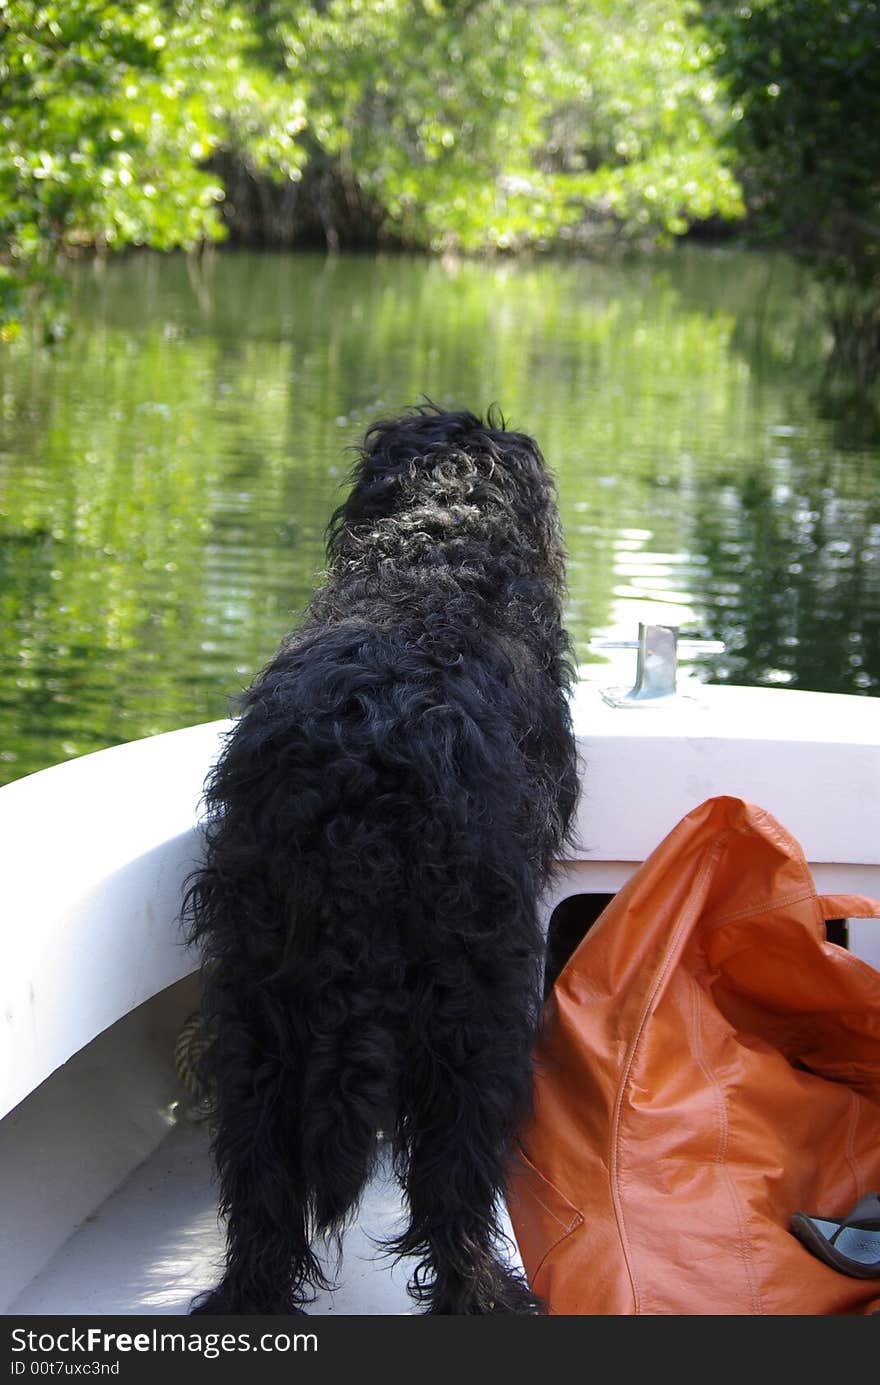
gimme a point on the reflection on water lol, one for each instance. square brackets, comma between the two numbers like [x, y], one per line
[166, 473]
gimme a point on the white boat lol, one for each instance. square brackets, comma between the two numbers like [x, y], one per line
[108, 1203]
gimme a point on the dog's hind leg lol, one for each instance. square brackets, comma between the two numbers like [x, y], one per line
[469, 1085]
[304, 1079]
[270, 1267]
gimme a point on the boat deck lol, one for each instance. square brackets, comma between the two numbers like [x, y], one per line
[109, 1203]
[156, 1242]
[112, 1206]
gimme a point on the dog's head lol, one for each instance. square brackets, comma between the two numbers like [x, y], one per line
[446, 477]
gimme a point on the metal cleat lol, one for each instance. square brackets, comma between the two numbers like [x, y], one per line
[658, 649]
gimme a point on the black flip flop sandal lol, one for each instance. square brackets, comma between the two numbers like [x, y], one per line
[850, 1245]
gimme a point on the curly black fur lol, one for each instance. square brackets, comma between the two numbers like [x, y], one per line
[382, 820]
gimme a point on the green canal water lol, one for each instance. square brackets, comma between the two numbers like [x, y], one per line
[167, 469]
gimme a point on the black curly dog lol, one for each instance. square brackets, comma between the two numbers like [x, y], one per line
[380, 826]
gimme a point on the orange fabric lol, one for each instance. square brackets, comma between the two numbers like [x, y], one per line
[709, 1065]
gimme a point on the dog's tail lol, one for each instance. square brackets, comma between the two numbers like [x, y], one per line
[351, 990]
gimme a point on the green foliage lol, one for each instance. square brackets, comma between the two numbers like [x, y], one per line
[498, 124]
[804, 76]
[96, 122]
[805, 79]
[465, 124]
[636, 105]
[108, 113]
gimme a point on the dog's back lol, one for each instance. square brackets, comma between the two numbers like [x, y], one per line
[382, 821]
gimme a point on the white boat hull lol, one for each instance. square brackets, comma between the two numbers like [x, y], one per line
[108, 1202]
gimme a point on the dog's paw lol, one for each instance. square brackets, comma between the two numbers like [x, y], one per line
[227, 1302]
[510, 1293]
[505, 1292]
[517, 1299]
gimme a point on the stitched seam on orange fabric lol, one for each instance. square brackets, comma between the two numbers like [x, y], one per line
[578, 1219]
[575, 1218]
[790, 845]
[527, 1167]
[746, 1248]
[530, 1172]
[841, 901]
[764, 906]
[851, 1157]
[712, 855]
[792, 848]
